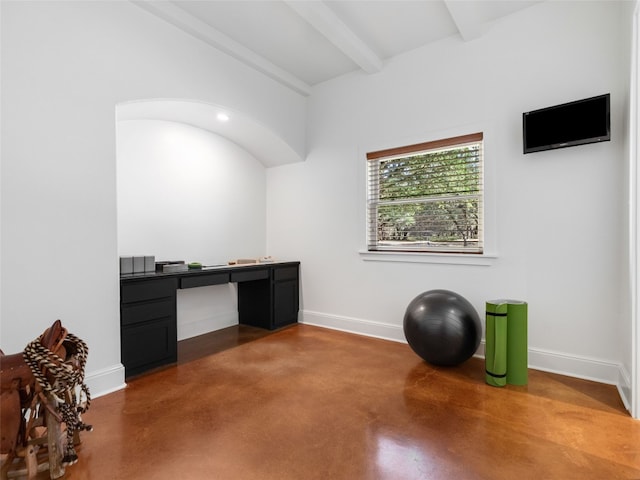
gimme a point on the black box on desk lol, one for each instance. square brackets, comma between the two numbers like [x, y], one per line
[171, 266]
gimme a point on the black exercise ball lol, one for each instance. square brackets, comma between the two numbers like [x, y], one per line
[442, 327]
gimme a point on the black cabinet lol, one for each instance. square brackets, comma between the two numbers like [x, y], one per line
[270, 302]
[285, 295]
[148, 330]
[267, 298]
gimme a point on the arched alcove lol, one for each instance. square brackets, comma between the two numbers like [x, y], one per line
[257, 139]
[192, 187]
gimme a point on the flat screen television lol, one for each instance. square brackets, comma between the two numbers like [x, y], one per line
[567, 125]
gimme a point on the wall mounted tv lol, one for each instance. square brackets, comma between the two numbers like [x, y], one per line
[567, 125]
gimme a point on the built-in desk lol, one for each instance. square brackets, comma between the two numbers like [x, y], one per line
[267, 298]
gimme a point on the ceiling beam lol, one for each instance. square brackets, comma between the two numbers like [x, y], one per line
[202, 31]
[325, 21]
[465, 15]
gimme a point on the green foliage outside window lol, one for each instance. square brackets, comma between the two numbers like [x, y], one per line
[429, 201]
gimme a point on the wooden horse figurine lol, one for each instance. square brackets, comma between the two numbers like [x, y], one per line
[39, 392]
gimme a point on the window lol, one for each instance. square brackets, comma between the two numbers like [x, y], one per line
[427, 197]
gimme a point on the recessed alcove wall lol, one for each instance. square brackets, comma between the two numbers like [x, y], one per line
[190, 188]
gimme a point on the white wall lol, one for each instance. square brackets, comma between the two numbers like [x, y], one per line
[187, 194]
[631, 330]
[626, 330]
[65, 66]
[555, 219]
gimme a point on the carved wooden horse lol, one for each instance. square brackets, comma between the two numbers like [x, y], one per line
[39, 388]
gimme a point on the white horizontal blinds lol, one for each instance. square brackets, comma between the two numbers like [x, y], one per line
[427, 197]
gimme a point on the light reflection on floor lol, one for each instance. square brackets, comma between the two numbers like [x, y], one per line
[398, 459]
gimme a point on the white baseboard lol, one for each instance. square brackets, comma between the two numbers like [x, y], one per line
[574, 366]
[106, 380]
[597, 370]
[206, 325]
[354, 325]
[624, 387]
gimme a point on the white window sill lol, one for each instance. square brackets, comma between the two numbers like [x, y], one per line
[483, 260]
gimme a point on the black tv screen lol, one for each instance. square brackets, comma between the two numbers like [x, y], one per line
[566, 125]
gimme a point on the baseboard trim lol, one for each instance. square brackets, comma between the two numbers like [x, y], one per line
[587, 368]
[539, 359]
[624, 387]
[106, 380]
[206, 325]
[354, 325]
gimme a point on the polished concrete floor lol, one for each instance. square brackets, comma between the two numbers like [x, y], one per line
[311, 403]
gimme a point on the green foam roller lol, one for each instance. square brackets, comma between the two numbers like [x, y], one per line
[496, 343]
[517, 348]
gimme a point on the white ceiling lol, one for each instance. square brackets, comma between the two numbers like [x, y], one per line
[301, 43]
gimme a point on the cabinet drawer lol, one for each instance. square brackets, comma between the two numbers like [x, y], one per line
[144, 312]
[285, 273]
[248, 276]
[202, 280]
[147, 290]
[148, 345]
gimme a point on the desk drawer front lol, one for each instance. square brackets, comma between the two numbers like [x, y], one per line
[203, 280]
[249, 276]
[149, 290]
[149, 345]
[144, 312]
[285, 273]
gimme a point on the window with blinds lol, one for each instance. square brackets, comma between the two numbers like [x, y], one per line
[427, 197]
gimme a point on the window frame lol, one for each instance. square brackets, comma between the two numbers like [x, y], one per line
[400, 252]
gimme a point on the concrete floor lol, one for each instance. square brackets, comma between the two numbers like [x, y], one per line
[311, 403]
